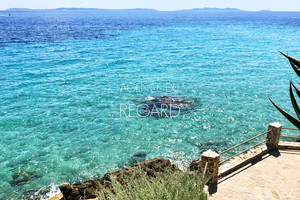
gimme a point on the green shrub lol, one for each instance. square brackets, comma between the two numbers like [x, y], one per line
[170, 185]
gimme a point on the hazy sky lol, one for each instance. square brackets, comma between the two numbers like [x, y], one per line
[283, 5]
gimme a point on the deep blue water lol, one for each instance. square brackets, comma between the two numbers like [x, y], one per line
[64, 74]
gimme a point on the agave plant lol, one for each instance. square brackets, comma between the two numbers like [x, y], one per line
[296, 121]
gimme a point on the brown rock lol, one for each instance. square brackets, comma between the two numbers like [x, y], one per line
[195, 165]
[66, 190]
[90, 188]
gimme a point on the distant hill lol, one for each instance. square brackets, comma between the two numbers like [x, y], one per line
[213, 10]
[79, 9]
[19, 9]
[265, 11]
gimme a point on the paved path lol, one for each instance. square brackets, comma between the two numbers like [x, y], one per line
[276, 176]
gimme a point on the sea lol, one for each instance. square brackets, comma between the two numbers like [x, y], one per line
[72, 82]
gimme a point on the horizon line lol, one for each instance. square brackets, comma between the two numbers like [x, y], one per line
[188, 9]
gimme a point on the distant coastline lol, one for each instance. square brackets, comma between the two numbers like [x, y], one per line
[140, 9]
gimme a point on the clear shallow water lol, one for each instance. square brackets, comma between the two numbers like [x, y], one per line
[62, 75]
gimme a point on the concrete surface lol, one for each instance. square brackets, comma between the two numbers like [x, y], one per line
[275, 176]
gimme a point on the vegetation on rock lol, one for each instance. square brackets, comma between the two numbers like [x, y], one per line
[151, 179]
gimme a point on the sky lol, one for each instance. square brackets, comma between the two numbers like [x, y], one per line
[251, 5]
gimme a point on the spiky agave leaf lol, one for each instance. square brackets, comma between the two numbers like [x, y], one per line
[289, 117]
[296, 68]
[294, 62]
[294, 102]
[297, 91]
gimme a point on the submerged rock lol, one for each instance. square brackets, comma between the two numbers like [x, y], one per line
[90, 188]
[160, 101]
[137, 157]
[214, 145]
[36, 194]
[21, 177]
[167, 106]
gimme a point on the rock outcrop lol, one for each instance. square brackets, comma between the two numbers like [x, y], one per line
[195, 165]
[91, 188]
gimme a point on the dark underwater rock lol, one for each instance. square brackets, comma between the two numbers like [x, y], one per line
[36, 194]
[21, 177]
[167, 106]
[90, 188]
[137, 157]
[159, 101]
[214, 145]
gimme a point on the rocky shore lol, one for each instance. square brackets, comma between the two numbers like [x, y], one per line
[91, 188]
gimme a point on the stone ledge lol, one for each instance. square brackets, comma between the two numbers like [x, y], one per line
[289, 145]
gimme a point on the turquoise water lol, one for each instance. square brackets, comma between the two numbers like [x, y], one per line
[60, 99]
